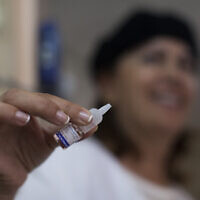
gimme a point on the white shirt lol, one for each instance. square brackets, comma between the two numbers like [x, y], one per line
[86, 171]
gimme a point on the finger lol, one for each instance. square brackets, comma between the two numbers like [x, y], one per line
[11, 115]
[77, 114]
[35, 104]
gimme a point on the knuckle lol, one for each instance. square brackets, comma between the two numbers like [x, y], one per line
[45, 95]
[8, 112]
[79, 108]
[70, 108]
[73, 109]
[9, 95]
[45, 104]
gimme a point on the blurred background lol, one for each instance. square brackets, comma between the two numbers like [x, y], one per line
[46, 46]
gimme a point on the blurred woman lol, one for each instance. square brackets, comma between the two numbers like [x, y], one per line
[147, 70]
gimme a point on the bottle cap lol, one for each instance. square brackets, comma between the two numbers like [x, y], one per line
[97, 117]
[104, 109]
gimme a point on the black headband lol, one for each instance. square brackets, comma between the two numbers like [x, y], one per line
[138, 29]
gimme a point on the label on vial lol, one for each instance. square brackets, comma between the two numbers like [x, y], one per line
[70, 134]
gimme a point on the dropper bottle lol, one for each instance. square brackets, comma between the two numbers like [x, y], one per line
[72, 133]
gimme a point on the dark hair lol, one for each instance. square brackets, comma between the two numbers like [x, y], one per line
[138, 29]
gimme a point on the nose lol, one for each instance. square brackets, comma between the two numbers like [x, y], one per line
[172, 73]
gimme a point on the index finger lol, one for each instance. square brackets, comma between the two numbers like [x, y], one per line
[78, 114]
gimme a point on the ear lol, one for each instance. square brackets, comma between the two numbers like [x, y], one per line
[106, 83]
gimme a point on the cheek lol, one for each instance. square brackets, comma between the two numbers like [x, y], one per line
[191, 85]
[132, 87]
[141, 83]
[128, 85]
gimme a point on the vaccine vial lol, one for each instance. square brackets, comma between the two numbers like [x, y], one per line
[72, 133]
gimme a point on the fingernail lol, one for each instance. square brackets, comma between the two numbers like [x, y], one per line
[22, 117]
[62, 117]
[85, 117]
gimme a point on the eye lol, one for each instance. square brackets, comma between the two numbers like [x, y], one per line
[154, 58]
[187, 64]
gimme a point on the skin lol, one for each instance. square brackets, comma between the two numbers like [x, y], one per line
[152, 89]
[25, 144]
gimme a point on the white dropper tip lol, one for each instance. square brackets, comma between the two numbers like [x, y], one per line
[104, 109]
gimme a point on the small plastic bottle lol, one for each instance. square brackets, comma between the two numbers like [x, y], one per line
[72, 133]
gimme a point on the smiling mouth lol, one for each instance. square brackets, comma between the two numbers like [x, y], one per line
[168, 99]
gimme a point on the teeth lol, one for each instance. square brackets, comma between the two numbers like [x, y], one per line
[167, 99]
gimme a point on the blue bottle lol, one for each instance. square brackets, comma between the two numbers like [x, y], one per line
[49, 58]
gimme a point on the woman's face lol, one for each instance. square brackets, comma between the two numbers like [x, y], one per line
[155, 85]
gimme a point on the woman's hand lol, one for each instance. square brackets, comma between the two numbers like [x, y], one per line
[27, 124]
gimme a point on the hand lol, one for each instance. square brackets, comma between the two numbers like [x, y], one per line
[28, 122]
